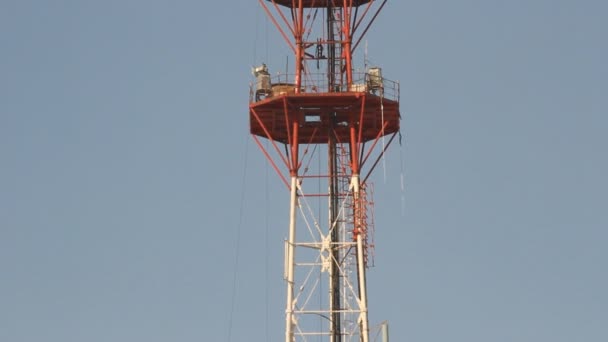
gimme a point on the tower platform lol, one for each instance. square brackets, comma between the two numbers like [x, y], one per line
[314, 3]
[320, 114]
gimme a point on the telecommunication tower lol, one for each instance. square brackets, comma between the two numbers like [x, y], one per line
[328, 124]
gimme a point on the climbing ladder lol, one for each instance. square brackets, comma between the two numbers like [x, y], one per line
[336, 37]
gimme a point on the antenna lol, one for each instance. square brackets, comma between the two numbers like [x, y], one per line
[365, 57]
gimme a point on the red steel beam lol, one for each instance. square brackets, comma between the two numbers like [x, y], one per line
[276, 24]
[374, 143]
[269, 136]
[274, 166]
[369, 25]
[379, 157]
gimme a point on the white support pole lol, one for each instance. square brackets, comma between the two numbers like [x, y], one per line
[360, 260]
[290, 262]
[385, 332]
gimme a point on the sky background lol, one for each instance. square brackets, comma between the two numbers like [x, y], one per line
[129, 184]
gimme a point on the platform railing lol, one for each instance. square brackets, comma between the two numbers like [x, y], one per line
[281, 84]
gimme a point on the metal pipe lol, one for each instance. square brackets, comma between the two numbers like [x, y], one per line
[347, 41]
[334, 274]
[385, 332]
[299, 34]
[290, 261]
[363, 320]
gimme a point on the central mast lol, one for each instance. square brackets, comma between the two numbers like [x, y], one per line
[333, 65]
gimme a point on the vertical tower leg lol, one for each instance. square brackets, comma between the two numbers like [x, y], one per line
[360, 231]
[385, 332]
[290, 262]
[334, 269]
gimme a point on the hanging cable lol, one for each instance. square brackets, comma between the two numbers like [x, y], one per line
[255, 38]
[266, 45]
[266, 254]
[238, 245]
[383, 136]
[402, 175]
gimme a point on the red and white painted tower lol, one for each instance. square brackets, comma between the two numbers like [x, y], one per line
[327, 113]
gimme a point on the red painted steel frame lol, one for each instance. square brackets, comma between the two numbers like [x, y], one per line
[316, 3]
[273, 117]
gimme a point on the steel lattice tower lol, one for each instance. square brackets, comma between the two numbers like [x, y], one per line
[325, 111]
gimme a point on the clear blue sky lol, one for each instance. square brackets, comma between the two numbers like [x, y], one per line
[124, 150]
